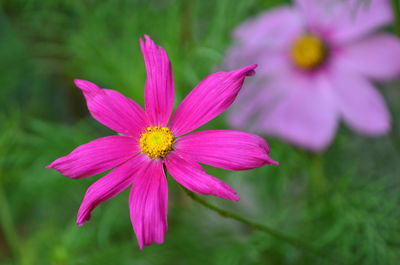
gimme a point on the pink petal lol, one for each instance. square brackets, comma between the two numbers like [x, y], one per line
[96, 156]
[360, 103]
[345, 21]
[361, 18]
[114, 110]
[265, 38]
[208, 99]
[269, 30]
[257, 98]
[193, 177]
[233, 150]
[318, 13]
[148, 204]
[109, 186]
[159, 92]
[306, 116]
[377, 57]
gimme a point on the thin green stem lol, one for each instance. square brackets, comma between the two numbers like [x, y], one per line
[317, 179]
[278, 235]
[7, 225]
[396, 14]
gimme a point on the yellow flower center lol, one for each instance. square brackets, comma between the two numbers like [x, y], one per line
[308, 52]
[156, 142]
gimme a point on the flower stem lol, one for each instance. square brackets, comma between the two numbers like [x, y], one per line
[396, 14]
[317, 179]
[7, 225]
[293, 241]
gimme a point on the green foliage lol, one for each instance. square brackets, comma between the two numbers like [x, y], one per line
[344, 203]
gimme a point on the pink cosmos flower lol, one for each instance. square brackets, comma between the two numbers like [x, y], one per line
[150, 143]
[317, 60]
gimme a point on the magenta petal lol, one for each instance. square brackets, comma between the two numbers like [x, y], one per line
[113, 109]
[193, 177]
[96, 156]
[109, 186]
[377, 56]
[148, 204]
[159, 92]
[233, 150]
[208, 99]
[361, 104]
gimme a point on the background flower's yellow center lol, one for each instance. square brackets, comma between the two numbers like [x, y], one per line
[308, 51]
[156, 142]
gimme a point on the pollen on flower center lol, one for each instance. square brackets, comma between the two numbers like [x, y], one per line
[156, 142]
[308, 52]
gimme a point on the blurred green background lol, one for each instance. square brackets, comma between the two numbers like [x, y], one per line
[345, 202]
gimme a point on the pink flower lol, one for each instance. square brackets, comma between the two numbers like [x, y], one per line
[318, 60]
[150, 142]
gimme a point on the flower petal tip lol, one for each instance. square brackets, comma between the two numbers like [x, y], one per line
[53, 165]
[274, 163]
[81, 220]
[247, 70]
[232, 196]
[270, 161]
[79, 82]
[85, 86]
[251, 71]
[147, 37]
[142, 245]
[147, 41]
[236, 198]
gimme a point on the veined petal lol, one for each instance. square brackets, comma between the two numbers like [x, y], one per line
[233, 150]
[113, 109]
[159, 91]
[360, 103]
[109, 186]
[193, 177]
[208, 99]
[377, 56]
[148, 204]
[96, 156]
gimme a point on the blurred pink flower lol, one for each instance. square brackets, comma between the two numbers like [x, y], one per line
[317, 60]
[148, 144]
